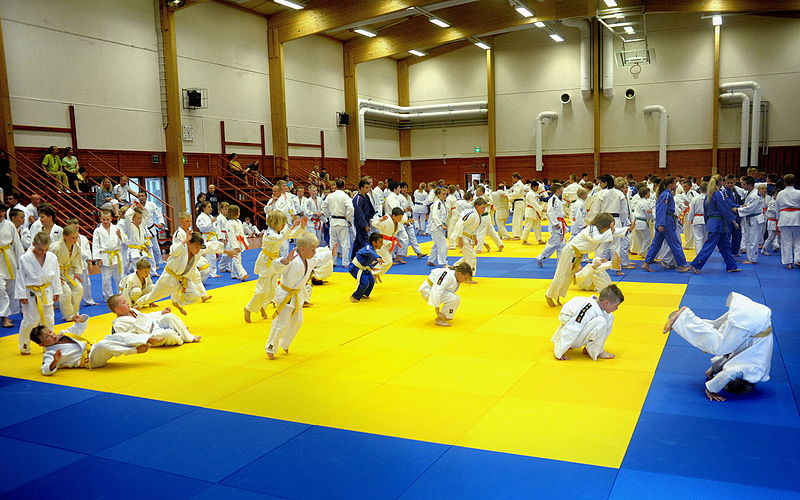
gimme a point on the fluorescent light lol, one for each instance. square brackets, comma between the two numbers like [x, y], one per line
[556, 37]
[539, 24]
[524, 12]
[629, 30]
[482, 45]
[619, 16]
[716, 20]
[291, 4]
[438, 22]
[362, 31]
[611, 3]
[617, 25]
[417, 53]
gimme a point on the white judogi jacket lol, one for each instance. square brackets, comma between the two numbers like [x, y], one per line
[570, 192]
[271, 243]
[577, 212]
[440, 286]
[590, 238]
[235, 231]
[499, 200]
[155, 324]
[741, 340]
[137, 238]
[312, 206]
[752, 207]
[376, 196]
[420, 202]
[555, 214]
[70, 352]
[31, 274]
[54, 234]
[583, 323]
[10, 249]
[438, 216]
[69, 263]
[131, 281]
[593, 279]
[697, 210]
[106, 245]
[643, 213]
[207, 227]
[222, 228]
[533, 206]
[471, 226]
[517, 192]
[292, 290]
[337, 205]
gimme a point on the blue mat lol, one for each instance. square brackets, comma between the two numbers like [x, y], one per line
[22, 462]
[24, 400]
[637, 485]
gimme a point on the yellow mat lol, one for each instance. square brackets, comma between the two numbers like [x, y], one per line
[490, 381]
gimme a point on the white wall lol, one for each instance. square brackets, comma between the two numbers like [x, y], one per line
[377, 80]
[314, 72]
[454, 77]
[224, 50]
[99, 56]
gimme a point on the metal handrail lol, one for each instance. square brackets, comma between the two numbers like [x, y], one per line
[119, 172]
[239, 191]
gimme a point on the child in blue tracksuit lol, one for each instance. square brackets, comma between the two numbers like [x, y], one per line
[719, 217]
[361, 267]
[666, 228]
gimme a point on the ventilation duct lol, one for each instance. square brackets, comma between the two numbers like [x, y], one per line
[662, 136]
[541, 119]
[745, 100]
[755, 136]
[586, 54]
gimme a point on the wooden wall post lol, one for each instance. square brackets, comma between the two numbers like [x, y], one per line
[277, 103]
[715, 106]
[404, 99]
[6, 122]
[597, 37]
[492, 125]
[172, 133]
[351, 108]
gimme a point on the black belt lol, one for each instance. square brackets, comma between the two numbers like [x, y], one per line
[518, 199]
[614, 215]
[338, 217]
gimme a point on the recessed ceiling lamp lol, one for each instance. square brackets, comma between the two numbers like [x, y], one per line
[479, 43]
[611, 3]
[539, 24]
[556, 37]
[629, 30]
[438, 22]
[417, 53]
[291, 4]
[367, 33]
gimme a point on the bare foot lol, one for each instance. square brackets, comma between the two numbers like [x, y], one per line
[733, 271]
[525, 243]
[142, 349]
[563, 358]
[245, 277]
[646, 267]
[486, 246]
[709, 373]
[307, 304]
[549, 301]
[683, 269]
[152, 304]
[606, 355]
[7, 323]
[246, 315]
[25, 353]
[748, 262]
[263, 313]
[672, 317]
[197, 338]
[179, 308]
[270, 355]
[365, 297]
[205, 299]
[539, 263]
[441, 322]
[501, 248]
[471, 282]
[713, 396]
[629, 266]
[541, 242]
[286, 351]
[354, 300]
[620, 273]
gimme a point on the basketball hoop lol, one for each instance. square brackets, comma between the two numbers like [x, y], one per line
[636, 68]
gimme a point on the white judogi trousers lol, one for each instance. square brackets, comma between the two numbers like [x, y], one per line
[500, 219]
[752, 236]
[341, 235]
[438, 255]
[70, 300]
[790, 244]
[554, 244]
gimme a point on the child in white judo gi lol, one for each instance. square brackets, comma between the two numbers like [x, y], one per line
[534, 213]
[180, 275]
[236, 243]
[696, 215]
[68, 349]
[38, 286]
[741, 341]
[70, 262]
[137, 237]
[558, 226]
[586, 322]
[206, 225]
[107, 247]
[642, 219]
[439, 290]
[87, 258]
[10, 251]
[594, 277]
[752, 220]
[467, 231]
[271, 242]
[294, 270]
[388, 226]
[137, 283]
[164, 328]
[437, 227]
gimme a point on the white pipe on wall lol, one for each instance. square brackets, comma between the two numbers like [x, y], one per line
[745, 99]
[586, 54]
[540, 119]
[608, 64]
[662, 138]
[756, 120]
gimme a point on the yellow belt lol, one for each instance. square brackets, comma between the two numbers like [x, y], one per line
[145, 249]
[66, 277]
[86, 350]
[211, 234]
[183, 281]
[576, 262]
[40, 295]
[114, 254]
[270, 255]
[430, 283]
[292, 292]
[4, 250]
[471, 237]
[764, 333]
[204, 267]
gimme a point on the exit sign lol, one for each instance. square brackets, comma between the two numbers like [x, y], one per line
[477, 149]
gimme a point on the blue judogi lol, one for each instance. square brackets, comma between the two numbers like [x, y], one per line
[734, 200]
[665, 216]
[363, 211]
[719, 216]
[367, 257]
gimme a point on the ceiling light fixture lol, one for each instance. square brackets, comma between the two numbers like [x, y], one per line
[479, 43]
[611, 3]
[556, 37]
[539, 24]
[629, 30]
[438, 22]
[367, 33]
[523, 11]
[417, 53]
[716, 20]
[291, 4]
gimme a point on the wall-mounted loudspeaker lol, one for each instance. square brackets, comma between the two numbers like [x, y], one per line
[342, 119]
[630, 94]
[565, 98]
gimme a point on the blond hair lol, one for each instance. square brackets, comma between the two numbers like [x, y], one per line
[307, 240]
[276, 218]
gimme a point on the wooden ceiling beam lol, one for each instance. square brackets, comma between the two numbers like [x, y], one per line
[324, 15]
[483, 16]
[725, 6]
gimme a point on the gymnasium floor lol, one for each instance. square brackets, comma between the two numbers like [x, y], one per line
[374, 401]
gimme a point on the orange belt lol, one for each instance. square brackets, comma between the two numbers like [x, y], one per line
[790, 209]
[563, 225]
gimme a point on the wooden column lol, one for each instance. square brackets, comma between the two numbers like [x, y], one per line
[715, 106]
[172, 132]
[277, 104]
[492, 125]
[351, 108]
[7, 124]
[404, 99]
[598, 42]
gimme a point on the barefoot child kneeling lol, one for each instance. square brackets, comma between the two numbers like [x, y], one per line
[69, 350]
[439, 290]
[586, 322]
